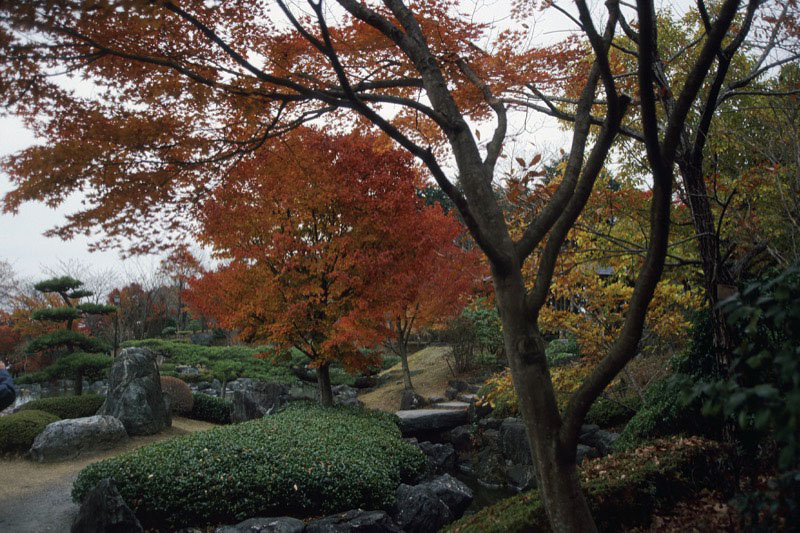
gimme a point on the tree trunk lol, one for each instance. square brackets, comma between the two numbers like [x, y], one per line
[79, 384]
[715, 273]
[402, 350]
[324, 382]
[558, 481]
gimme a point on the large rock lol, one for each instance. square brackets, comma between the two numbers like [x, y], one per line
[105, 510]
[411, 400]
[355, 521]
[421, 421]
[261, 399]
[134, 393]
[452, 492]
[283, 524]
[441, 457]
[419, 510]
[514, 442]
[67, 439]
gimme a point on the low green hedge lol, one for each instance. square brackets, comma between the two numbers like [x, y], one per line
[67, 406]
[622, 490]
[18, 430]
[303, 461]
[210, 409]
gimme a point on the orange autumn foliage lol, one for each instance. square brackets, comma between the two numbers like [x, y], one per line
[322, 239]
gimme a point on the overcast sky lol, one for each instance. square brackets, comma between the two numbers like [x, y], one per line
[21, 240]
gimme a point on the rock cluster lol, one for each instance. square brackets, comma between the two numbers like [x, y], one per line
[418, 509]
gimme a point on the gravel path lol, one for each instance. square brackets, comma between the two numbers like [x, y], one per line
[36, 498]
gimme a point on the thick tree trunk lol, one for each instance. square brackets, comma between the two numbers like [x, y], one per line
[324, 382]
[557, 477]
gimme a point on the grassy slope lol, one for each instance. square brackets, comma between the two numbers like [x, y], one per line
[429, 375]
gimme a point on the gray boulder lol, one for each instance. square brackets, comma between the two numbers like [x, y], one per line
[67, 439]
[283, 524]
[424, 420]
[134, 393]
[583, 452]
[514, 442]
[441, 457]
[453, 493]
[355, 521]
[419, 510]
[411, 400]
[460, 437]
[600, 439]
[261, 399]
[520, 477]
[105, 510]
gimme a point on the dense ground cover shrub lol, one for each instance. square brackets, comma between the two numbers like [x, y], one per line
[305, 460]
[180, 394]
[210, 409]
[622, 490]
[67, 406]
[18, 430]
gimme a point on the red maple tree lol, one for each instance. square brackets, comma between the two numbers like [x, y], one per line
[321, 238]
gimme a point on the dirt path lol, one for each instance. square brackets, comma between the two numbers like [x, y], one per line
[36, 497]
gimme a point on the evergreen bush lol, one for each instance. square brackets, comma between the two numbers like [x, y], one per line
[65, 407]
[18, 430]
[210, 409]
[179, 393]
[303, 461]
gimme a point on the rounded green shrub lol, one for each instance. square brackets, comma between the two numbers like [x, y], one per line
[179, 393]
[67, 406]
[303, 461]
[608, 413]
[210, 409]
[18, 431]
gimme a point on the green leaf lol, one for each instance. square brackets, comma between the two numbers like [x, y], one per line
[762, 418]
[766, 391]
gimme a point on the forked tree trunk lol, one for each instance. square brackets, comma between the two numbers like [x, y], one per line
[558, 482]
[324, 382]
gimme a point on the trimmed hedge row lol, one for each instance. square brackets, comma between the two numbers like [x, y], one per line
[210, 409]
[18, 430]
[622, 490]
[67, 406]
[303, 461]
